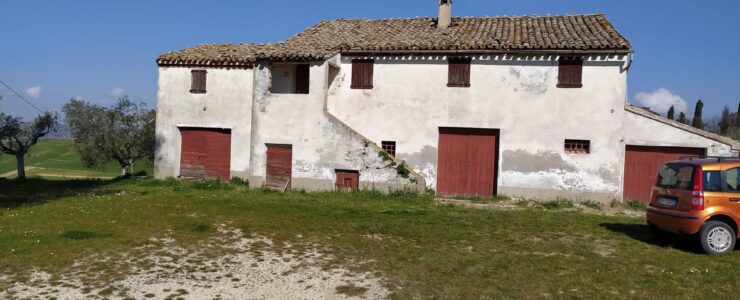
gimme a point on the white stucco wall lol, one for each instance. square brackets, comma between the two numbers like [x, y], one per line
[410, 101]
[320, 143]
[226, 104]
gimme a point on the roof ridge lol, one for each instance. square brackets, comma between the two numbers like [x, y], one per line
[462, 17]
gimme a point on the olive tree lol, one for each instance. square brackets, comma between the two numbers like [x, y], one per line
[17, 138]
[123, 133]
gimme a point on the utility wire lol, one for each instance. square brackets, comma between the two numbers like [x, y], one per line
[19, 95]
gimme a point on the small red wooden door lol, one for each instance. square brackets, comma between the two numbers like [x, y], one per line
[347, 180]
[205, 153]
[641, 164]
[466, 163]
[279, 166]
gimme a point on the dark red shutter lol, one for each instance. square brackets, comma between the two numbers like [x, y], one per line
[302, 78]
[459, 72]
[362, 73]
[198, 81]
[570, 72]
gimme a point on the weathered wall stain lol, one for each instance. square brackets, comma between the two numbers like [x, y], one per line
[524, 161]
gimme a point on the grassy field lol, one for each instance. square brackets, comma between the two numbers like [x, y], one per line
[58, 159]
[423, 250]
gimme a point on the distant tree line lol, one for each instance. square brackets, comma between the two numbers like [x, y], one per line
[122, 133]
[727, 124]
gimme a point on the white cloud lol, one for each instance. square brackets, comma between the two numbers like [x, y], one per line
[34, 91]
[116, 92]
[660, 100]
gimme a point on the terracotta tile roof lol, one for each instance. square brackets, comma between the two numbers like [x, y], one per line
[510, 34]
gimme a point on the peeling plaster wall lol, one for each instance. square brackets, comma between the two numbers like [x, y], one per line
[410, 101]
[227, 104]
[320, 143]
[641, 131]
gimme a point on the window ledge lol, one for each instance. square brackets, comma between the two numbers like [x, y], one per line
[463, 85]
[569, 86]
[197, 92]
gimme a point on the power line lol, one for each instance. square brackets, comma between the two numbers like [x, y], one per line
[19, 95]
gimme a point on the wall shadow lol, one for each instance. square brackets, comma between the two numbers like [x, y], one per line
[642, 233]
[34, 191]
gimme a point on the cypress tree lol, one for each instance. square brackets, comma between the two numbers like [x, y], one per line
[725, 122]
[671, 111]
[696, 122]
[682, 118]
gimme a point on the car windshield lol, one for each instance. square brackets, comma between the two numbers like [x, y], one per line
[676, 176]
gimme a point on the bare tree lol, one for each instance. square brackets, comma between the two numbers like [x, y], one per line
[123, 133]
[17, 138]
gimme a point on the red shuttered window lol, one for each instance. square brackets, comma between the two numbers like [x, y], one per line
[570, 72]
[362, 73]
[459, 72]
[198, 82]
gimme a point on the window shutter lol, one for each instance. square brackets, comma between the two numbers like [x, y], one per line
[362, 74]
[302, 78]
[459, 72]
[570, 72]
[198, 81]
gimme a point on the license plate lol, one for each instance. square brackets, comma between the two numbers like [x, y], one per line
[667, 202]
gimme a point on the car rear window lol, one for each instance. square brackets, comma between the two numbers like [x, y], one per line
[676, 176]
[711, 181]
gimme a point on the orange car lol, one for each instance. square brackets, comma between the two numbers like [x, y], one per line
[700, 197]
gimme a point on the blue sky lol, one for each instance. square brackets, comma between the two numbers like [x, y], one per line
[98, 50]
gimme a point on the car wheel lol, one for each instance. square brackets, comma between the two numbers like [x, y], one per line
[717, 238]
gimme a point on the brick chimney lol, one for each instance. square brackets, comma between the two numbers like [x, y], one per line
[445, 14]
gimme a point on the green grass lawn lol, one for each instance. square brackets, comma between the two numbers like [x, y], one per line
[58, 159]
[423, 250]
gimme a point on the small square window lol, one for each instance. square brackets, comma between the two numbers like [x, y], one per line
[578, 146]
[390, 147]
[198, 81]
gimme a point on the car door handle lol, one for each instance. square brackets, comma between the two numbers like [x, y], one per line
[734, 199]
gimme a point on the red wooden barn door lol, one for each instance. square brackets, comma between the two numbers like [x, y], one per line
[347, 180]
[279, 166]
[466, 164]
[205, 153]
[641, 164]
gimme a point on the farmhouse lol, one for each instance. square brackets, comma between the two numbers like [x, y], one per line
[523, 106]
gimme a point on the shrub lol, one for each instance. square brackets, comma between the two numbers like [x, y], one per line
[636, 205]
[559, 203]
[591, 204]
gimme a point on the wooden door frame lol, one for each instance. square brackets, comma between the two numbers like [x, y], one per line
[496, 155]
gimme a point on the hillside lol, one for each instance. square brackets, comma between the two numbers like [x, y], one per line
[58, 159]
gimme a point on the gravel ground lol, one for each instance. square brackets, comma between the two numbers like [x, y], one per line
[168, 271]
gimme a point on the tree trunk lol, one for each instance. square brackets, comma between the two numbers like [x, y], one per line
[123, 170]
[21, 165]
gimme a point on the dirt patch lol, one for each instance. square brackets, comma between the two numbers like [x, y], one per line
[247, 269]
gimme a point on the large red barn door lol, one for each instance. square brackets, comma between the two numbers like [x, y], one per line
[466, 164]
[641, 165]
[205, 153]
